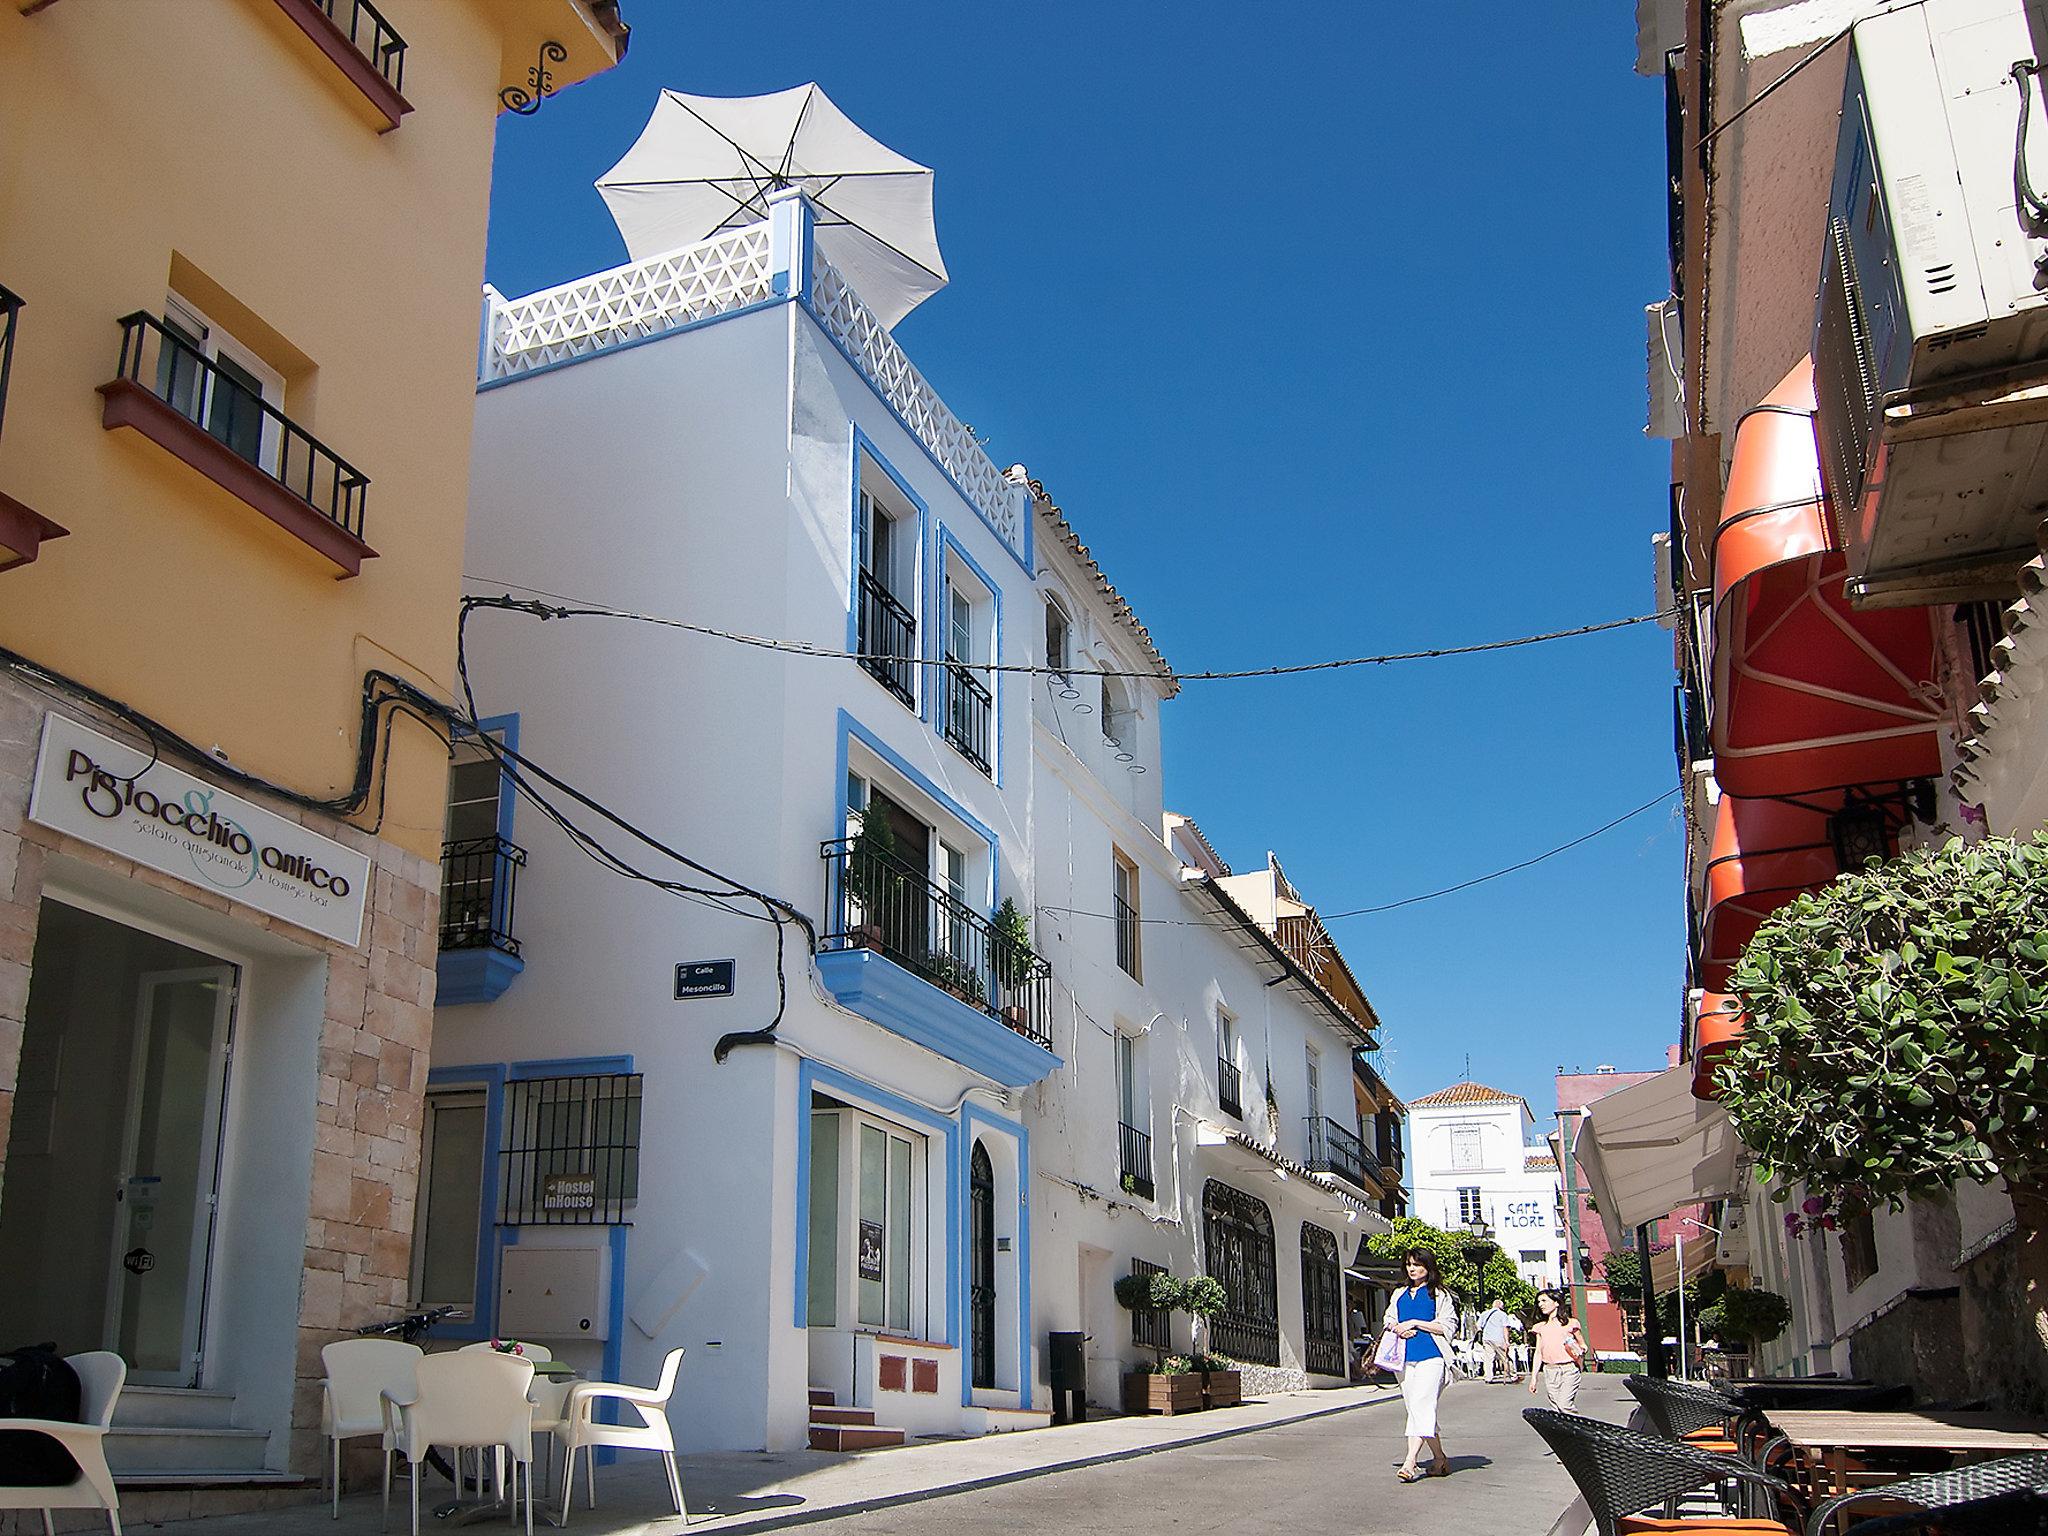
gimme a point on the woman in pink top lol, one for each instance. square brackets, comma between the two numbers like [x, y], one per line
[1560, 1347]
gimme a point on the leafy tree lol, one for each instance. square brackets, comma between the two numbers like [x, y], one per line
[1159, 1292]
[1746, 1318]
[1898, 1019]
[1472, 1271]
[1622, 1269]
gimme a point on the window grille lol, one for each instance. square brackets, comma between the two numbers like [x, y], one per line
[1153, 1330]
[1237, 1243]
[572, 1150]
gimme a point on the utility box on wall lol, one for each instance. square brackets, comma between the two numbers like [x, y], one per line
[553, 1293]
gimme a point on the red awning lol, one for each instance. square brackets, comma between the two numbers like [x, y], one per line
[1717, 1032]
[1765, 852]
[1808, 693]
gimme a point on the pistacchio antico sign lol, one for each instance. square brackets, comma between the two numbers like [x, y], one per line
[121, 799]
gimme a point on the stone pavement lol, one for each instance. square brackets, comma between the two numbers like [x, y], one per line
[1315, 1461]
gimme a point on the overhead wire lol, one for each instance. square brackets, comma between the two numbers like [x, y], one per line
[573, 607]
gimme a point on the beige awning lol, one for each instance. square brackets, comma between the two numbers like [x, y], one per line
[1699, 1258]
[1651, 1148]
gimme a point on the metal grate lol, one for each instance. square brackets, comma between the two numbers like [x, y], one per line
[1845, 382]
[1983, 627]
[1229, 1087]
[1134, 1160]
[1237, 1246]
[1152, 1330]
[966, 713]
[1322, 1302]
[571, 1156]
[479, 886]
[888, 638]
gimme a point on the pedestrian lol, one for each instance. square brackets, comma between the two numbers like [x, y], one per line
[1492, 1329]
[1560, 1351]
[1423, 1317]
[1361, 1342]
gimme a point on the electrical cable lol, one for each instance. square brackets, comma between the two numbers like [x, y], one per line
[2023, 73]
[584, 609]
[1408, 901]
[1758, 99]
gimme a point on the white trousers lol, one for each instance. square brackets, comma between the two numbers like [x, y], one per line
[1422, 1383]
[1561, 1386]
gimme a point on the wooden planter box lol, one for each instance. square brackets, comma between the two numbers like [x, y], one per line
[1222, 1389]
[1163, 1394]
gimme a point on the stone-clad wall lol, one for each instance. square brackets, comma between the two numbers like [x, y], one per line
[368, 1101]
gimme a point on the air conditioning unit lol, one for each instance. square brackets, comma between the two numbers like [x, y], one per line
[1931, 339]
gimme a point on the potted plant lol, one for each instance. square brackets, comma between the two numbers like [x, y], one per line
[1013, 955]
[1202, 1297]
[870, 877]
[1168, 1385]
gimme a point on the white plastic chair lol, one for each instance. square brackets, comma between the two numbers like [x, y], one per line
[581, 1431]
[359, 1372]
[101, 1374]
[464, 1400]
[547, 1397]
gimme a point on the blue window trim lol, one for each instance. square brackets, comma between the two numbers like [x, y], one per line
[506, 726]
[811, 1075]
[1026, 558]
[971, 1116]
[851, 730]
[492, 1076]
[941, 626]
[861, 444]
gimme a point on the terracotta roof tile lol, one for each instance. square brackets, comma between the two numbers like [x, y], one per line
[1063, 530]
[1465, 1093]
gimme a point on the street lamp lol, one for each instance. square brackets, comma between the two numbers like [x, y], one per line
[1684, 1352]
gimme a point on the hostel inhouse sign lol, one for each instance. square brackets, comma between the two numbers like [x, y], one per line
[132, 804]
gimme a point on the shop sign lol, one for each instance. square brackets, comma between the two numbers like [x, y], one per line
[871, 1250]
[704, 978]
[568, 1192]
[133, 804]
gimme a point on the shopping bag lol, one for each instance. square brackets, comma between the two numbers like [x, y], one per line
[1390, 1356]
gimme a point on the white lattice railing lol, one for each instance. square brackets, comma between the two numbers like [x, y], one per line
[874, 351]
[727, 272]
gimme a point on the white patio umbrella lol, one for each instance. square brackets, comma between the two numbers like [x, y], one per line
[707, 163]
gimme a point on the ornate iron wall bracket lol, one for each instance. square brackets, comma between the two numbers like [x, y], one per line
[540, 82]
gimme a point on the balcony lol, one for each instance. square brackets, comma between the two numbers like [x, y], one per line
[1333, 1149]
[1134, 1160]
[909, 955]
[1229, 1087]
[173, 394]
[887, 639]
[479, 889]
[22, 530]
[966, 713]
[359, 42]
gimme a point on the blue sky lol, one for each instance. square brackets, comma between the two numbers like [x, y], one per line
[1324, 325]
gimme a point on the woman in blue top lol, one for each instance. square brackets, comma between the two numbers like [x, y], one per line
[1423, 1317]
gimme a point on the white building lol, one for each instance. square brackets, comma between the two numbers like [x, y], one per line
[857, 1181]
[1474, 1168]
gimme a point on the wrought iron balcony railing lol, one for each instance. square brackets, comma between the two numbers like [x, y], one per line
[10, 308]
[1333, 1149]
[192, 384]
[967, 713]
[479, 884]
[1229, 1087]
[878, 902]
[888, 638]
[371, 36]
[1126, 936]
[1134, 1160]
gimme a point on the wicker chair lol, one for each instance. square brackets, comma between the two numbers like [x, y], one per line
[1681, 1411]
[1940, 1490]
[2024, 1513]
[1621, 1473]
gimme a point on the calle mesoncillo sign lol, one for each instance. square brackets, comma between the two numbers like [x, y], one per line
[133, 804]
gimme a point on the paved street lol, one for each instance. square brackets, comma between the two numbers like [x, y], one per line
[1305, 1463]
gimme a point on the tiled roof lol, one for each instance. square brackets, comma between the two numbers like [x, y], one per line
[1538, 1162]
[1048, 510]
[1465, 1093]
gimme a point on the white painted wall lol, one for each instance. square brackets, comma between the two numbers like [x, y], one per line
[1518, 1203]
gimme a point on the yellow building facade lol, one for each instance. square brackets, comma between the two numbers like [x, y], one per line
[241, 243]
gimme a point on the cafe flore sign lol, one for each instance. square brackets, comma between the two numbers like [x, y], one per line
[134, 804]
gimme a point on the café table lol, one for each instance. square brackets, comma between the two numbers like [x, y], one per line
[1825, 1439]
